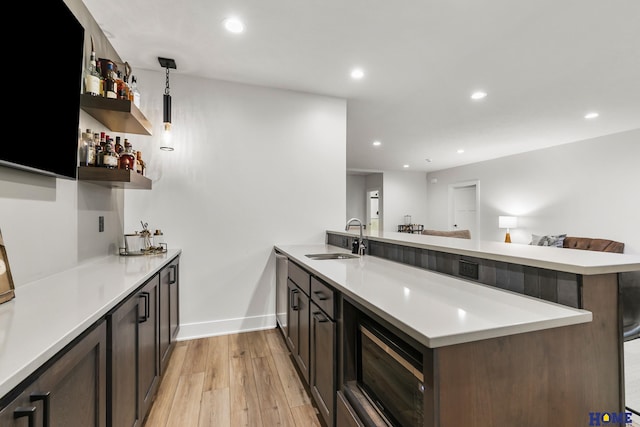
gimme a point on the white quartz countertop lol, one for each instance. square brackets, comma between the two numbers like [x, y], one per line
[49, 313]
[435, 309]
[560, 259]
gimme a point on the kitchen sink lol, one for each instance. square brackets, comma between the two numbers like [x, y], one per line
[338, 255]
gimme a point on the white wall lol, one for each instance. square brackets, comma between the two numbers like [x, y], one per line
[587, 189]
[50, 224]
[253, 167]
[356, 198]
[405, 193]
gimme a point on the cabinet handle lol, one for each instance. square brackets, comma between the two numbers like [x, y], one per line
[145, 296]
[44, 396]
[321, 318]
[294, 297]
[172, 269]
[321, 296]
[26, 411]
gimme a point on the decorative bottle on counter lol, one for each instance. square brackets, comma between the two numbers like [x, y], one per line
[127, 159]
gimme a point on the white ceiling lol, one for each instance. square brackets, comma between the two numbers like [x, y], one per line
[543, 63]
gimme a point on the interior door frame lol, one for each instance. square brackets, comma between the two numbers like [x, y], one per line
[452, 187]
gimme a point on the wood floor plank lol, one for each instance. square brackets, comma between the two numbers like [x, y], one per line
[244, 403]
[197, 351]
[275, 341]
[161, 406]
[217, 368]
[293, 388]
[274, 407]
[264, 390]
[257, 344]
[185, 410]
[214, 411]
[306, 416]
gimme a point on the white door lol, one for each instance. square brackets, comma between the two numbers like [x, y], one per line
[463, 212]
[374, 210]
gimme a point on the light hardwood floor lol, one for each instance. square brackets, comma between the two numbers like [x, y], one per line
[245, 379]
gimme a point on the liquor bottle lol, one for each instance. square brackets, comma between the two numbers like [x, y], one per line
[118, 148]
[111, 86]
[98, 149]
[87, 149]
[127, 159]
[92, 78]
[136, 92]
[122, 86]
[109, 158]
[141, 165]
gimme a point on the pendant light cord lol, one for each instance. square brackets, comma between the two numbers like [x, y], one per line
[166, 89]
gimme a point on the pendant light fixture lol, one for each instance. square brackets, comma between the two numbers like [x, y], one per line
[166, 63]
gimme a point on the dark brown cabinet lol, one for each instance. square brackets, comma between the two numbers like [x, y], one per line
[169, 310]
[311, 336]
[322, 378]
[70, 391]
[298, 327]
[133, 358]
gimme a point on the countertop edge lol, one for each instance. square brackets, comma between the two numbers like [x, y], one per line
[516, 259]
[582, 316]
[15, 378]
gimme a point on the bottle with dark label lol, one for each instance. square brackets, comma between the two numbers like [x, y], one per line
[118, 148]
[110, 84]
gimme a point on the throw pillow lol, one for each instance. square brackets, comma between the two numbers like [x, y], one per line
[548, 240]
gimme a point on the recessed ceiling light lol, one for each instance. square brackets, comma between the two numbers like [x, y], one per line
[591, 115]
[405, 166]
[460, 151]
[377, 143]
[478, 95]
[233, 25]
[357, 73]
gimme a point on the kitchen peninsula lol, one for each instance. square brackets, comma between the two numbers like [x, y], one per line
[543, 350]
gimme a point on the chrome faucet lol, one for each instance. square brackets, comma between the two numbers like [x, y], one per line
[359, 246]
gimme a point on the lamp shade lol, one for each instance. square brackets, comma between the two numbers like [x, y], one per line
[507, 221]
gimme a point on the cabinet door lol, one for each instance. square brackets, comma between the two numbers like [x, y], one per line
[71, 392]
[298, 328]
[168, 311]
[148, 347]
[323, 371]
[292, 317]
[123, 410]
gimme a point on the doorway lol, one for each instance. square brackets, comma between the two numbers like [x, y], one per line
[373, 210]
[464, 199]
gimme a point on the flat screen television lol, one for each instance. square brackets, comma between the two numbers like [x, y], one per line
[43, 64]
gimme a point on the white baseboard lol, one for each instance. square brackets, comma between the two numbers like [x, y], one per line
[189, 331]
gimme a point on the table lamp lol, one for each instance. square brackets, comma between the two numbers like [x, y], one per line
[507, 222]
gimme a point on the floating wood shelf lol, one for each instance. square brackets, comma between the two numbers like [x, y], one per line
[119, 115]
[114, 178]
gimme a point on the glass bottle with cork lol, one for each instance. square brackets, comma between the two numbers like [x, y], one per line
[141, 166]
